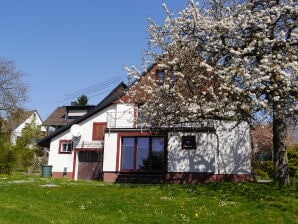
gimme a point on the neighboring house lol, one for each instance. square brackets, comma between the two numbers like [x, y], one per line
[66, 114]
[18, 124]
[108, 143]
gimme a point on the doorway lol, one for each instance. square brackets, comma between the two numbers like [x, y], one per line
[142, 154]
[90, 165]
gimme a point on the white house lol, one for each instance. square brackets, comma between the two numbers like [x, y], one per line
[107, 143]
[17, 125]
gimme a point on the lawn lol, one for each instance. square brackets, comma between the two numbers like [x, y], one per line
[32, 199]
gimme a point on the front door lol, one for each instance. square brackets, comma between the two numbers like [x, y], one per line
[90, 165]
[142, 153]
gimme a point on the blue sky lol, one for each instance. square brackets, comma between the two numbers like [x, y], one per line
[64, 46]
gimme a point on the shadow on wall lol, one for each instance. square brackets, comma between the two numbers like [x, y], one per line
[200, 159]
[228, 151]
[234, 148]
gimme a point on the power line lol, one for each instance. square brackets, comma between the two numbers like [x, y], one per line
[92, 89]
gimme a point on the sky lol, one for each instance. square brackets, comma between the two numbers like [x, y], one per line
[71, 46]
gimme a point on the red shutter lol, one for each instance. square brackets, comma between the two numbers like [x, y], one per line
[98, 131]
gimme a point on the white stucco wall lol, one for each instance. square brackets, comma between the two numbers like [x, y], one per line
[201, 159]
[121, 117]
[110, 152]
[234, 148]
[124, 119]
[227, 151]
[59, 161]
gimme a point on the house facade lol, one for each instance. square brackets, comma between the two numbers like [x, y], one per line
[109, 144]
[25, 118]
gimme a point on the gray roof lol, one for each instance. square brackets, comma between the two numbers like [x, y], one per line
[114, 95]
[58, 118]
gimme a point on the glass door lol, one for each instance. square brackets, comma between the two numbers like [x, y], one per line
[157, 155]
[143, 160]
[142, 153]
[128, 153]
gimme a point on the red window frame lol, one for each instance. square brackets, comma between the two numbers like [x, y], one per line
[60, 147]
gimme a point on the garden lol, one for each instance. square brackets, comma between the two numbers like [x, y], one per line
[34, 199]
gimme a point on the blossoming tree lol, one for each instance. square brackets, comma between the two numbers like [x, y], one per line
[232, 62]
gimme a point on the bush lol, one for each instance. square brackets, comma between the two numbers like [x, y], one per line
[267, 167]
[7, 160]
[7, 155]
[293, 160]
[261, 174]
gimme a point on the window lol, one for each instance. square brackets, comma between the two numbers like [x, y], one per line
[189, 142]
[142, 153]
[98, 131]
[160, 76]
[65, 146]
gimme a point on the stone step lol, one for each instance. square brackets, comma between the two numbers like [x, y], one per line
[149, 178]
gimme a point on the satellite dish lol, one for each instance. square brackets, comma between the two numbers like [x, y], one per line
[75, 130]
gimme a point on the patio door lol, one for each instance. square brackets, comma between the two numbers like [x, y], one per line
[142, 153]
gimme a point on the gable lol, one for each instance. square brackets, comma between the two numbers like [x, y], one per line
[111, 98]
[138, 87]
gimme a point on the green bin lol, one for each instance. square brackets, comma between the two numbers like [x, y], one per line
[46, 170]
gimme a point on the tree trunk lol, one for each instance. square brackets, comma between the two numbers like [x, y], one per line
[281, 172]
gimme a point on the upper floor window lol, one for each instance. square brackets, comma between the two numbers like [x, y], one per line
[160, 77]
[65, 146]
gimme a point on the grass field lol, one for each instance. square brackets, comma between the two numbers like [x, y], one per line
[32, 199]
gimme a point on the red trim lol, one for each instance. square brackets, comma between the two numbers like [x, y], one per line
[62, 175]
[126, 134]
[118, 152]
[60, 146]
[94, 138]
[137, 134]
[110, 177]
[195, 178]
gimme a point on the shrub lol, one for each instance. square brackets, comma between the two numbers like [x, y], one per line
[7, 160]
[7, 155]
[293, 160]
[261, 174]
[267, 167]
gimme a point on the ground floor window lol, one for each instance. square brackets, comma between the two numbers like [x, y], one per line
[65, 146]
[142, 153]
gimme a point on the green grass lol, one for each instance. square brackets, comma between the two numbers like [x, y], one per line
[25, 199]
